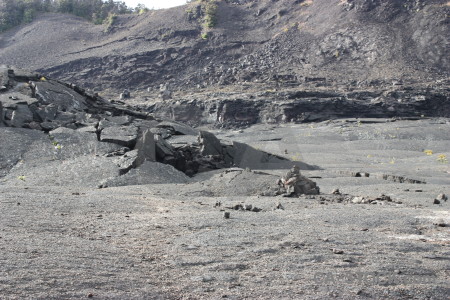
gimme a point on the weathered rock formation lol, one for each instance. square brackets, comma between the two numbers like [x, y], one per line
[310, 105]
[60, 134]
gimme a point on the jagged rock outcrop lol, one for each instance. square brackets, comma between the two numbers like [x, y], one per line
[59, 134]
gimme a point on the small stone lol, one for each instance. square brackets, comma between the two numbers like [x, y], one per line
[125, 94]
[226, 215]
[337, 251]
[440, 223]
[336, 192]
[442, 197]
[279, 206]
[90, 295]
[397, 272]
[248, 207]
[357, 200]
[238, 207]
[436, 201]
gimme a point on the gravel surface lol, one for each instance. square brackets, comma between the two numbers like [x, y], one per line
[171, 241]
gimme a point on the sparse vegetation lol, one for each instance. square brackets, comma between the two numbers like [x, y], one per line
[110, 21]
[442, 158]
[208, 15]
[210, 11]
[16, 12]
[428, 152]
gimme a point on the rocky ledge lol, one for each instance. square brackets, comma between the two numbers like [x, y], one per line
[309, 104]
[59, 134]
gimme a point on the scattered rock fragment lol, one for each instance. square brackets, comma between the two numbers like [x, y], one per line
[279, 206]
[357, 200]
[442, 197]
[164, 91]
[440, 223]
[226, 215]
[337, 251]
[335, 192]
[125, 94]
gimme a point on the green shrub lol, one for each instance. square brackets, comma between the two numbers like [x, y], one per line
[110, 21]
[210, 12]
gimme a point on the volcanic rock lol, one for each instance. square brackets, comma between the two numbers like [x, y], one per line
[21, 116]
[177, 128]
[122, 135]
[210, 144]
[146, 147]
[149, 173]
[63, 97]
[294, 184]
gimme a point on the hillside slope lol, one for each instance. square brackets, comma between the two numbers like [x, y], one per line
[254, 41]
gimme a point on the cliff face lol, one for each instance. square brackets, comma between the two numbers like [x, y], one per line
[341, 41]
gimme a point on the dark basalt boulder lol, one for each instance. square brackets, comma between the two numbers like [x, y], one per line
[21, 116]
[64, 98]
[210, 145]
[122, 135]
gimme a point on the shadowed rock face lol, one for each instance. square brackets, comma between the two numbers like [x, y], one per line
[298, 105]
[58, 134]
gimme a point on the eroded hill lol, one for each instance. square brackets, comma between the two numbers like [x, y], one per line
[341, 42]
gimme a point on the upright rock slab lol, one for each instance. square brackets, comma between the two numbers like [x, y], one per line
[146, 147]
[210, 144]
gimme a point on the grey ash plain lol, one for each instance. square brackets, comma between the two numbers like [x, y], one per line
[170, 241]
[95, 197]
